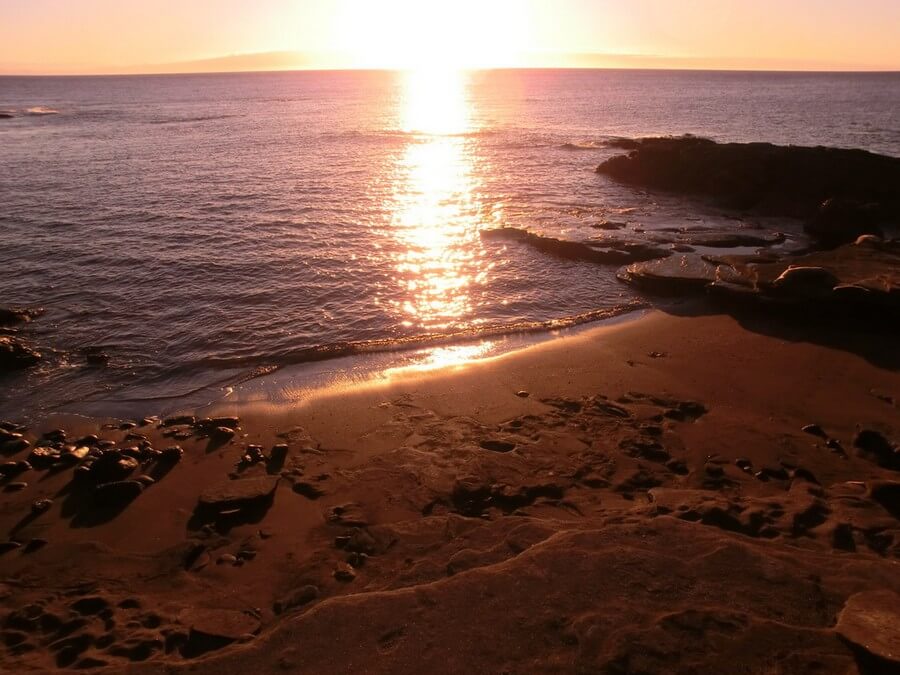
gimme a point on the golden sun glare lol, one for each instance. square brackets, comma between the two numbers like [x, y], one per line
[419, 35]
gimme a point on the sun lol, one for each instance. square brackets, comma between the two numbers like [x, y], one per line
[421, 34]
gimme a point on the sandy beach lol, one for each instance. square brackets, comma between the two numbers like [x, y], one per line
[645, 497]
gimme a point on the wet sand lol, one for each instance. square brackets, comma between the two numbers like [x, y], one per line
[638, 498]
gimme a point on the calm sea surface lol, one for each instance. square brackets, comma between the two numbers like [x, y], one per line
[202, 229]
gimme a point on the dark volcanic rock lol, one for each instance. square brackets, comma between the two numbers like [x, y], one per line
[16, 355]
[840, 193]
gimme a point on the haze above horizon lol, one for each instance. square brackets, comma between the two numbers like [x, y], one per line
[106, 36]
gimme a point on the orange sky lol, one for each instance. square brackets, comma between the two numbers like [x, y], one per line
[101, 36]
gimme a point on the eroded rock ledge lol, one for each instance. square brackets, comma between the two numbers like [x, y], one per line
[863, 276]
[840, 194]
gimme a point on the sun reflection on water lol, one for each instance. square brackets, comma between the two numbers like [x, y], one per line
[435, 215]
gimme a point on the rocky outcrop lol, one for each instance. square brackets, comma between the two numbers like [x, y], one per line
[602, 252]
[862, 277]
[841, 194]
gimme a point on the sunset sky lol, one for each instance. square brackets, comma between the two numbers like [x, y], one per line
[108, 36]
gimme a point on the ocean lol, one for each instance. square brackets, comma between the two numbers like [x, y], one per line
[202, 230]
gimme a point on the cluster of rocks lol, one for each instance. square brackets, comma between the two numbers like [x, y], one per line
[862, 277]
[840, 194]
[214, 428]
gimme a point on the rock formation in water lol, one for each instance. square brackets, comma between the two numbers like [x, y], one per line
[839, 194]
[863, 277]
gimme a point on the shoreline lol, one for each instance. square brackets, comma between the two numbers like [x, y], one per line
[440, 521]
[339, 362]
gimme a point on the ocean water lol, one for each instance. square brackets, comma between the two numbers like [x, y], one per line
[201, 230]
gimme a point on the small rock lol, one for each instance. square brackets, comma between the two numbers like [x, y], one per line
[238, 493]
[497, 445]
[308, 490]
[523, 394]
[118, 493]
[182, 420]
[41, 505]
[171, 455]
[226, 559]
[8, 469]
[14, 446]
[34, 545]
[814, 430]
[357, 560]
[878, 448]
[296, 598]
[7, 546]
[112, 466]
[90, 605]
[228, 624]
[344, 573]
[835, 445]
[744, 465]
[222, 434]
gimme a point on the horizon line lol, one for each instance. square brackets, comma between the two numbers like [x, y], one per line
[299, 61]
[364, 69]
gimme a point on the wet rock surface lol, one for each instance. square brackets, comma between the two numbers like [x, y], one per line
[856, 279]
[841, 194]
[16, 355]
